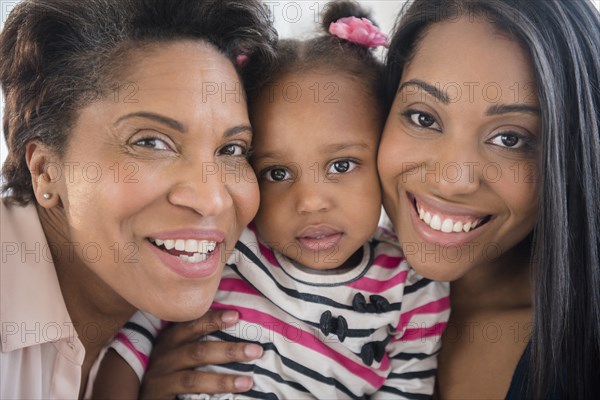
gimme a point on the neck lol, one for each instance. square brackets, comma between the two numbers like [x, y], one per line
[96, 310]
[504, 283]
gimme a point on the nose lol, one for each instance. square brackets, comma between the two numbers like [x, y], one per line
[456, 168]
[202, 189]
[311, 197]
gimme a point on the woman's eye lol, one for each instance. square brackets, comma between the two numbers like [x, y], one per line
[277, 175]
[341, 167]
[153, 143]
[233, 150]
[423, 120]
[509, 140]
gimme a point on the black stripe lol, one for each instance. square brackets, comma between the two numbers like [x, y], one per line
[293, 365]
[254, 394]
[405, 395]
[308, 297]
[414, 375]
[410, 356]
[416, 286]
[139, 329]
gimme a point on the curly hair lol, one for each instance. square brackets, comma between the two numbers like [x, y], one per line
[57, 56]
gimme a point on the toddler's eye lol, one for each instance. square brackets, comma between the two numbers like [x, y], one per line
[277, 174]
[341, 167]
[233, 150]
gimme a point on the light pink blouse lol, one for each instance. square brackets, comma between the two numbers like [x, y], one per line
[41, 354]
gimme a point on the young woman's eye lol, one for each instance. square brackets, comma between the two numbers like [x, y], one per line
[233, 150]
[341, 167]
[422, 119]
[276, 174]
[153, 143]
[510, 140]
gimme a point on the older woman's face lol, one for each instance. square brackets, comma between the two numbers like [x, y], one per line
[458, 158]
[157, 184]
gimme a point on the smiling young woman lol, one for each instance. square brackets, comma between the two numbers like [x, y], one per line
[490, 169]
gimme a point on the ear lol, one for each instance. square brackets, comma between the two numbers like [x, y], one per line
[45, 173]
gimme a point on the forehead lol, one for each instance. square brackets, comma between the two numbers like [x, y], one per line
[314, 107]
[469, 53]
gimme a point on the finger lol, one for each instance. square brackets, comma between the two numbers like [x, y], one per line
[196, 382]
[190, 331]
[203, 352]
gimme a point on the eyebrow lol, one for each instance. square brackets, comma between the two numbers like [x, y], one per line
[334, 148]
[176, 125]
[161, 119]
[432, 90]
[498, 109]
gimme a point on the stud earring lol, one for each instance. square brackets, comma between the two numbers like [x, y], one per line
[47, 196]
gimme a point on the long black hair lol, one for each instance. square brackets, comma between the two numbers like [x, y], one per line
[57, 56]
[563, 40]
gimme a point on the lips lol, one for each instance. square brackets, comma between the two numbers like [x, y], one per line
[319, 237]
[442, 223]
[189, 253]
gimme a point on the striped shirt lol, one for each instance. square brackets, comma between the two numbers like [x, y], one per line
[369, 332]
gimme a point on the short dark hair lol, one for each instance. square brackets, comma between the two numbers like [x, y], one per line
[328, 52]
[59, 55]
[563, 40]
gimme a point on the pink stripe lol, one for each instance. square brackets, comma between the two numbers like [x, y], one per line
[306, 339]
[433, 307]
[385, 261]
[375, 286]
[236, 285]
[422, 333]
[140, 356]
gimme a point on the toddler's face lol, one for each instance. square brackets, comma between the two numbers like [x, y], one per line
[316, 137]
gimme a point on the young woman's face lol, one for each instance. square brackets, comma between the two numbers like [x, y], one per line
[156, 183]
[315, 157]
[458, 157]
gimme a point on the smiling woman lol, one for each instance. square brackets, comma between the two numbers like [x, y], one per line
[490, 167]
[128, 139]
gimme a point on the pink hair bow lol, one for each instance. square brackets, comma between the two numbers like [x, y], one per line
[358, 30]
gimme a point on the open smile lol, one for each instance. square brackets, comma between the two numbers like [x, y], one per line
[444, 223]
[190, 253]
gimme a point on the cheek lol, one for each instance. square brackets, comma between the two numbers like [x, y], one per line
[246, 199]
[272, 214]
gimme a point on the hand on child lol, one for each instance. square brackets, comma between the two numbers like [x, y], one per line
[180, 348]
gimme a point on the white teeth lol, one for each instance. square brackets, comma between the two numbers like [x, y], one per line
[196, 258]
[447, 225]
[197, 247]
[191, 246]
[427, 218]
[436, 222]
[458, 227]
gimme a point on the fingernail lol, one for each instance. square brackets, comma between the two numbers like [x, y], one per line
[253, 351]
[243, 383]
[229, 316]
